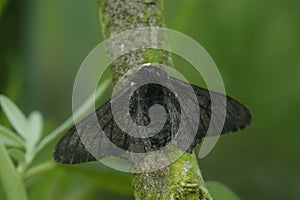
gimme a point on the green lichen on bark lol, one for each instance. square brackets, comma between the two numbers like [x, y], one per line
[182, 179]
[121, 15]
[117, 16]
[187, 182]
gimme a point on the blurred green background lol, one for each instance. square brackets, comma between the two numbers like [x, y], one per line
[255, 44]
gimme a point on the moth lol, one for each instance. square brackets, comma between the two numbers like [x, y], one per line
[71, 150]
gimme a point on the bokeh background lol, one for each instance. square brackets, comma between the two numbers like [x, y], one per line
[255, 43]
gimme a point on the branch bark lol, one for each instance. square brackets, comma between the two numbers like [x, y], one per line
[182, 179]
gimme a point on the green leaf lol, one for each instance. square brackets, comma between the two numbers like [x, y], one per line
[17, 155]
[220, 191]
[14, 115]
[10, 180]
[10, 138]
[36, 124]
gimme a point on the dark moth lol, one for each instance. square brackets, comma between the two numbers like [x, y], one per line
[71, 150]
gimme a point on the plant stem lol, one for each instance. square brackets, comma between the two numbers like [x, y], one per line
[182, 179]
[40, 169]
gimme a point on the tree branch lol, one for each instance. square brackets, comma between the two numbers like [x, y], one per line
[182, 179]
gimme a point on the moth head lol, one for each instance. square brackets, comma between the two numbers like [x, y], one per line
[149, 73]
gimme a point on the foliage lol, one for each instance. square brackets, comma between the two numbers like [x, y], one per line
[220, 191]
[3, 4]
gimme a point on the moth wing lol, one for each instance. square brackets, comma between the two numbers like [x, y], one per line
[237, 115]
[70, 148]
